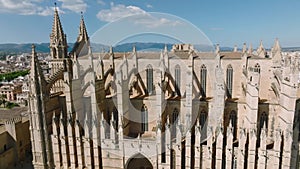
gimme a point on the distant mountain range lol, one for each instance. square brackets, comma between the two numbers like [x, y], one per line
[11, 48]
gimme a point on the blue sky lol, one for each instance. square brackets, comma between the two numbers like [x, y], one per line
[228, 23]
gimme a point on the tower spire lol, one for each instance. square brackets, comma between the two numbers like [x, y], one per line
[82, 30]
[276, 46]
[261, 50]
[58, 40]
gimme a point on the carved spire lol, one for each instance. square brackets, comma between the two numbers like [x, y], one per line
[36, 71]
[235, 49]
[134, 57]
[217, 48]
[261, 50]
[57, 30]
[83, 35]
[276, 46]
[161, 57]
[124, 56]
[58, 40]
[166, 49]
[244, 48]
[250, 49]
[134, 50]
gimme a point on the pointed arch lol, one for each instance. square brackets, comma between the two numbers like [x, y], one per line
[149, 71]
[203, 78]
[229, 80]
[263, 120]
[202, 118]
[138, 161]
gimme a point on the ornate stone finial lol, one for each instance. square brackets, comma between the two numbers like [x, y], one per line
[124, 56]
[166, 49]
[33, 48]
[134, 49]
[276, 46]
[217, 48]
[111, 49]
[161, 56]
[261, 50]
[244, 48]
[82, 30]
[235, 49]
[250, 49]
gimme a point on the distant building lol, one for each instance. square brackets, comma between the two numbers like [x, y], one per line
[22, 98]
[169, 109]
[9, 91]
[15, 147]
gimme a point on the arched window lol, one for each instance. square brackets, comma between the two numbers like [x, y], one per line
[175, 116]
[257, 68]
[203, 75]
[177, 78]
[144, 119]
[233, 121]
[149, 72]
[263, 120]
[202, 118]
[229, 79]
[174, 121]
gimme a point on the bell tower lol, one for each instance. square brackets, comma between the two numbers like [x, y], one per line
[60, 60]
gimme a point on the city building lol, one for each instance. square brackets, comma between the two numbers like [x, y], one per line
[169, 109]
[9, 91]
[15, 148]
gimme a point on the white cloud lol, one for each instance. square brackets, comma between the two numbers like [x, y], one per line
[140, 16]
[101, 2]
[149, 6]
[22, 7]
[74, 5]
[36, 7]
[119, 11]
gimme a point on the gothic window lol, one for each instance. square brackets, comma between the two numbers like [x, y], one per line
[174, 120]
[257, 68]
[177, 78]
[203, 75]
[202, 118]
[263, 120]
[233, 120]
[144, 119]
[175, 116]
[229, 80]
[149, 79]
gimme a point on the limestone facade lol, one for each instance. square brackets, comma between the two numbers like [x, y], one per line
[169, 109]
